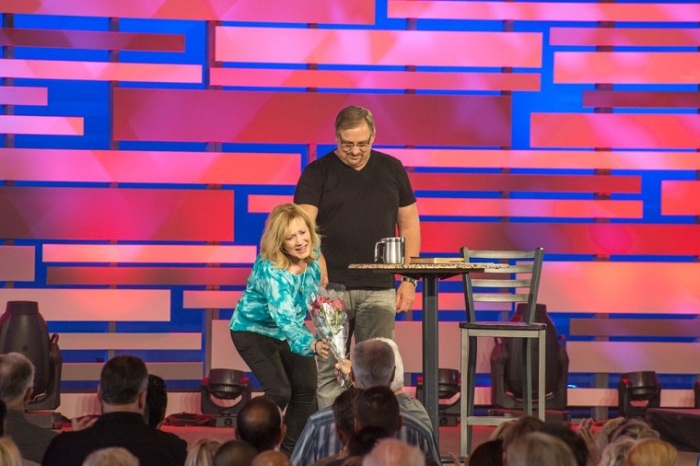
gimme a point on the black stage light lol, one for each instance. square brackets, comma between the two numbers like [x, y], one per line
[224, 392]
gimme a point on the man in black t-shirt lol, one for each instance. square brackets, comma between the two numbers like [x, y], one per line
[358, 196]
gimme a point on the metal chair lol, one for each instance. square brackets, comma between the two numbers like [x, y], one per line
[518, 282]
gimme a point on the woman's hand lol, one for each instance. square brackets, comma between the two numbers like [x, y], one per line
[321, 348]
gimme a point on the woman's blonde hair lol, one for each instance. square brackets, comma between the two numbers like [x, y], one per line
[9, 453]
[277, 229]
[112, 456]
[202, 452]
[652, 452]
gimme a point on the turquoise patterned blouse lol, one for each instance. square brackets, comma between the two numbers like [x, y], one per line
[275, 304]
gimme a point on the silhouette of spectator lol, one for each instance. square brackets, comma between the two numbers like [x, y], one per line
[538, 449]
[16, 382]
[122, 393]
[520, 427]
[575, 443]
[112, 456]
[390, 452]
[271, 458]
[9, 453]
[344, 415]
[156, 401]
[259, 423]
[489, 453]
[235, 452]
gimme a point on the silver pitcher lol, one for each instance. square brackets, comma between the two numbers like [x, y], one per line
[390, 250]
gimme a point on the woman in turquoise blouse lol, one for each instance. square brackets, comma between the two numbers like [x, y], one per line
[267, 327]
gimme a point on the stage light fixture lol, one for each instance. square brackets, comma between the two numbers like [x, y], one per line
[449, 385]
[638, 391]
[224, 392]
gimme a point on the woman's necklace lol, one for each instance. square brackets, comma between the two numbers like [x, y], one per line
[303, 277]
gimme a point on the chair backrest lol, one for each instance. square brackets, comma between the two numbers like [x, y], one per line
[518, 281]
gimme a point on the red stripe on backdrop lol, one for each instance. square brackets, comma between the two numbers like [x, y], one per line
[257, 117]
[368, 79]
[514, 183]
[618, 131]
[212, 276]
[627, 67]
[640, 99]
[607, 36]
[116, 214]
[92, 40]
[603, 239]
[398, 47]
[680, 197]
[288, 11]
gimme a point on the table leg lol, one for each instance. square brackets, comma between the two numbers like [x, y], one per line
[430, 350]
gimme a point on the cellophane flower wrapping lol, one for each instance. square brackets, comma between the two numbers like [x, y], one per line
[330, 318]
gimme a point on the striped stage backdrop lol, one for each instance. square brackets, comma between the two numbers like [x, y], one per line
[143, 143]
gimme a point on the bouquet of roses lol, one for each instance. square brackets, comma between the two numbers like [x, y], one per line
[331, 321]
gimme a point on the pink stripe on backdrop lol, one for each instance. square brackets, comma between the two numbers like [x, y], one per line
[374, 79]
[544, 11]
[680, 197]
[210, 299]
[262, 204]
[533, 208]
[149, 166]
[287, 11]
[41, 125]
[601, 239]
[619, 131]
[641, 99]
[17, 263]
[15, 95]
[377, 47]
[146, 253]
[92, 40]
[100, 71]
[245, 117]
[548, 159]
[116, 214]
[616, 36]
[627, 67]
[209, 276]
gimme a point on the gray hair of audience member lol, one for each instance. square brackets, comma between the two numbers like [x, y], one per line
[397, 382]
[519, 427]
[122, 379]
[9, 453]
[614, 453]
[271, 458]
[373, 363]
[112, 456]
[16, 376]
[539, 449]
[235, 452]
[202, 452]
[391, 451]
[651, 452]
[635, 429]
[260, 423]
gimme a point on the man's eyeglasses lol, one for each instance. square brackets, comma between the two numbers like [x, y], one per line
[347, 146]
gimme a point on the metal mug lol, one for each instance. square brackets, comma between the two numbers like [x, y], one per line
[390, 250]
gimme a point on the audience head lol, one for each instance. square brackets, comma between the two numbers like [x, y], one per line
[156, 401]
[202, 453]
[16, 379]
[378, 406]
[539, 449]
[344, 413]
[521, 426]
[271, 458]
[651, 452]
[489, 453]
[9, 453]
[614, 453]
[373, 364]
[575, 442]
[235, 452]
[123, 384]
[391, 451]
[635, 429]
[112, 456]
[397, 382]
[365, 439]
[260, 423]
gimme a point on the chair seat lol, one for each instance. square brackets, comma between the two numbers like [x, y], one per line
[503, 325]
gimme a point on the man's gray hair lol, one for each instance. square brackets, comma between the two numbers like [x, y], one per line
[373, 363]
[16, 375]
[397, 383]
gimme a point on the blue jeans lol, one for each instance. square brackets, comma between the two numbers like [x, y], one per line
[286, 377]
[372, 314]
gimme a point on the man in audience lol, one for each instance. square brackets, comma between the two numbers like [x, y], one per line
[122, 393]
[372, 363]
[156, 401]
[389, 452]
[344, 416]
[235, 452]
[260, 424]
[16, 382]
[271, 458]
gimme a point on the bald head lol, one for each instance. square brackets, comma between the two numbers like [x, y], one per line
[271, 458]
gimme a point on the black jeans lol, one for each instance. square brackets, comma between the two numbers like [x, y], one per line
[288, 378]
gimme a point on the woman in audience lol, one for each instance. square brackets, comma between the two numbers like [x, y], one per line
[539, 449]
[112, 456]
[489, 453]
[614, 453]
[520, 427]
[9, 453]
[202, 453]
[651, 452]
